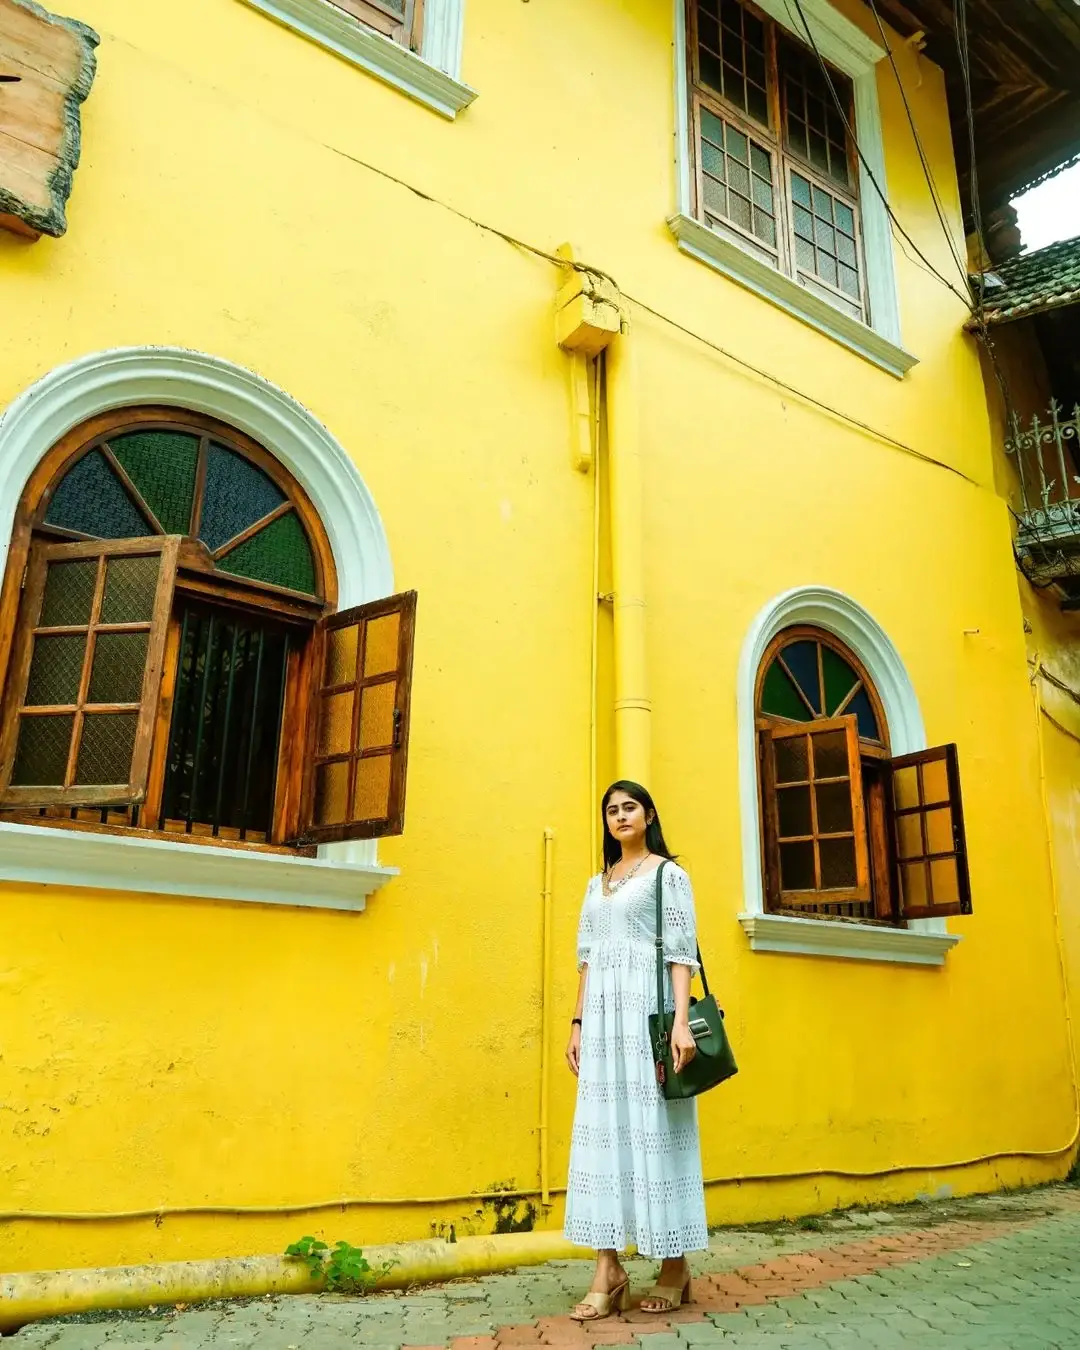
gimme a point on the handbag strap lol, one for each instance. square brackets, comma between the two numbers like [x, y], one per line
[660, 947]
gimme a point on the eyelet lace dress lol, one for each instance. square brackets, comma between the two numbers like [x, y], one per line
[635, 1160]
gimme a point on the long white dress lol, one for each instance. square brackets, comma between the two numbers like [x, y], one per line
[635, 1159]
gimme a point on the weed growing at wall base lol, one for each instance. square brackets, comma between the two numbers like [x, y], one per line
[343, 1269]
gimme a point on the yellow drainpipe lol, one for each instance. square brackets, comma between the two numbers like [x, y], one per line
[545, 1018]
[30, 1296]
[633, 710]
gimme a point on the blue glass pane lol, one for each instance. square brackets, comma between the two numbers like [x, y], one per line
[861, 707]
[238, 494]
[92, 500]
[801, 659]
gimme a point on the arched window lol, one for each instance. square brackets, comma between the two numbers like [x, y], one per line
[847, 830]
[173, 660]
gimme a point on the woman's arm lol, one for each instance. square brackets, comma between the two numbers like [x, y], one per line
[683, 1045]
[573, 1050]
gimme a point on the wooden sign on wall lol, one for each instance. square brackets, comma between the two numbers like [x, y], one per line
[47, 66]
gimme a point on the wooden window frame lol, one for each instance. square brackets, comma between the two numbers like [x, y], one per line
[196, 578]
[873, 800]
[783, 157]
[406, 31]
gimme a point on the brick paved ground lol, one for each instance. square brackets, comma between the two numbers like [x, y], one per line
[1003, 1272]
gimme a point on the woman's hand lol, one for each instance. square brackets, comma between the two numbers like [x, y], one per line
[683, 1046]
[573, 1050]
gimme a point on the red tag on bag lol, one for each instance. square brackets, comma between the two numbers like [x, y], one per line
[660, 1075]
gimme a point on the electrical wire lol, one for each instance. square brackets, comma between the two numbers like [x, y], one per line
[964, 299]
[927, 171]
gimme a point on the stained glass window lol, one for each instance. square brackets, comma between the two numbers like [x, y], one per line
[808, 679]
[147, 480]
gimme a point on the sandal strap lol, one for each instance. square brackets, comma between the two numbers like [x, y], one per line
[671, 1294]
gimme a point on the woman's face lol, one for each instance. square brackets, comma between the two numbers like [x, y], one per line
[626, 820]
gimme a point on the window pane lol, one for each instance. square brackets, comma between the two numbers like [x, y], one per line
[827, 269]
[906, 786]
[69, 593]
[41, 754]
[800, 189]
[801, 659]
[715, 196]
[935, 778]
[757, 103]
[105, 750]
[797, 867]
[792, 760]
[130, 587]
[335, 724]
[913, 883]
[837, 863]
[55, 669]
[371, 796]
[861, 708]
[804, 223]
[712, 159]
[765, 228]
[945, 880]
[739, 210]
[825, 236]
[377, 715]
[237, 494]
[711, 71]
[779, 697]
[822, 204]
[118, 669]
[793, 810]
[162, 465]
[712, 128]
[739, 179]
[331, 793]
[909, 836]
[845, 218]
[830, 755]
[840, 679]
[845, 249]
[760, 162]
[278, 554]
[341, 646]
[805, 255]
[849, 281]
[834, 808]
[738, 147]
[939, 831]
[91, 500]
[381, 645]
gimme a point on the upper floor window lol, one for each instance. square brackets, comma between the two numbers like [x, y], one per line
[775, 168]
[848, 830]
[173, 661]
[400, 20]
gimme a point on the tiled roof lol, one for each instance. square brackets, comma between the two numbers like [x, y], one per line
[1045, 279]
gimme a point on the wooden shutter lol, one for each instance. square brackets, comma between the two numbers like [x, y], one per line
[815, 832]
[928, 835]
[399, 20]
[355, 778]
[85, 674]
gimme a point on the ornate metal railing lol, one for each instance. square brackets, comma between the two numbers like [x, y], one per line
[1046, 452]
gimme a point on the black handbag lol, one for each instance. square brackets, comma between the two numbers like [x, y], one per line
[714, 1060]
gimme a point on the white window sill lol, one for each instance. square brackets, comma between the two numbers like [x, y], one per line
[853, 941]
[347, 37]
[715, 251]
[115, 862]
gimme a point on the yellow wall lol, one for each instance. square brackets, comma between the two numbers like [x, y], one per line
[176, 1053]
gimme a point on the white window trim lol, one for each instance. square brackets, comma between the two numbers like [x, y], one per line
[433, 78]
[923, 941]
[343, 875]
[850, 50]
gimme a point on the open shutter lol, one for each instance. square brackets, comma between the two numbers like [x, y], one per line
[355, 779]
[928, 834]
[86, 672]
[815, 828]
[399, 20]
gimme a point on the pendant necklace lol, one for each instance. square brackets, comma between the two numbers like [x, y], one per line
[612, 886]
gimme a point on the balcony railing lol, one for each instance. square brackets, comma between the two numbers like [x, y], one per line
[1045, 451]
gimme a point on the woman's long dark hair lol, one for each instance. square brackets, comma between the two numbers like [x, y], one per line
[654, 835]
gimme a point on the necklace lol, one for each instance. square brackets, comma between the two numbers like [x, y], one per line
[612, 886]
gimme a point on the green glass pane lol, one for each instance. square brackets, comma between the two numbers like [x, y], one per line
[279, 554]
[779, 697]
[42, 752]
[119, 664]
[840, 679]
[130, 587]
[69, 593]
[105, 750]
[92, 500]
[55, 669]
[161, 464]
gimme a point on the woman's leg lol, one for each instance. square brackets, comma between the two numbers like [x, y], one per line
[674, 1276]
[608, 1277]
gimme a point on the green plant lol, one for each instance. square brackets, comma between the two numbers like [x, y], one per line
[343, 1268]
[810, 1223]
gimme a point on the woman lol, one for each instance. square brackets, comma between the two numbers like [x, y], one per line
[635, 1162]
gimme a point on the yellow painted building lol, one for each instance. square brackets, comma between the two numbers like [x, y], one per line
[321, 247]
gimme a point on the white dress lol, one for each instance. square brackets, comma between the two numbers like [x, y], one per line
[635, 1160]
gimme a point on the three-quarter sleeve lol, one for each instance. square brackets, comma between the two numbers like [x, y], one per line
[680, 927]
[585, 929]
